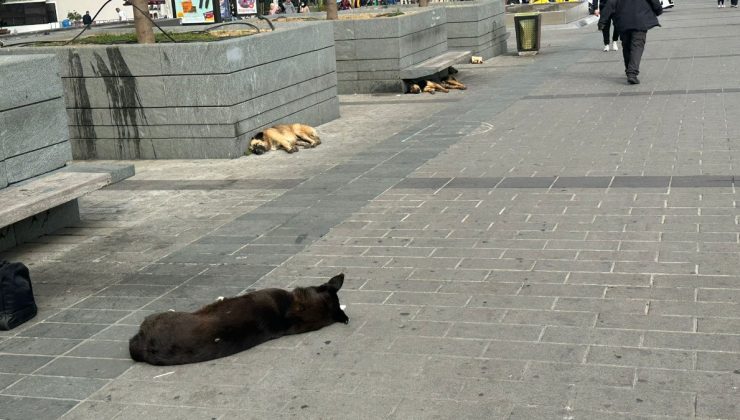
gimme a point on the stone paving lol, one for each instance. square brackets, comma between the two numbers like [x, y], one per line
[551, 243]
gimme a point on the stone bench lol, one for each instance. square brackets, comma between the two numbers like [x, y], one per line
[46, 192]
[52, 198]
[436, 66]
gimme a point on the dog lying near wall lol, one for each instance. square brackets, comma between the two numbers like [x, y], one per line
[285, 136]
[233, 325]
[430, 86]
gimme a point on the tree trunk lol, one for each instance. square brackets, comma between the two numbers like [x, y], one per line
[423, 3]
[144, 32]
[331, 10]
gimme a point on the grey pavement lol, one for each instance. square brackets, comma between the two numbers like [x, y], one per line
[551, 243]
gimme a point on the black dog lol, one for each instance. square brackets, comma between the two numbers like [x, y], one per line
[236, 324]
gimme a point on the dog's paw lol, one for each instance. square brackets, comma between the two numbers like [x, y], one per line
[220, 298]
[294, 149]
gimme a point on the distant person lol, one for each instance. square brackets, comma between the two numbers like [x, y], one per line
[720, 3]
[598, 4]
[304, 8]
[345, 5]
[121, 15]
[288, 6]
[632, 19]
[273, 9]
[87, 19]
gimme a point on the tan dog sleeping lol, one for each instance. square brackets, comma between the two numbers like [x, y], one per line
[285, 136]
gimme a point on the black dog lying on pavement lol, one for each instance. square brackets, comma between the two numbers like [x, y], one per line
[235, 324]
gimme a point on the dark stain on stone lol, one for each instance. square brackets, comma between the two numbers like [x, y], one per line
[82, 112]
[327, 342]
[304, 406]
[302, 237]
[123, 100]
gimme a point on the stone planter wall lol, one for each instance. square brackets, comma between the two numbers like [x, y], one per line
[477, 26]
[195, 100]
[34, 139]
[371, 52]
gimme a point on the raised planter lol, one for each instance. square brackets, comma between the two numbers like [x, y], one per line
[195, 100]
[476, 26]
[372, 52]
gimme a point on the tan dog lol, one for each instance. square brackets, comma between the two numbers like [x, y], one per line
[285, 136]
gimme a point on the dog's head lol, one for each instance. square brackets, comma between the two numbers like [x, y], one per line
[414, 88]
[318, 306]
[258, 146]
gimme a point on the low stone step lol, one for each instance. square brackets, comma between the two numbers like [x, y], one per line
[435, 65]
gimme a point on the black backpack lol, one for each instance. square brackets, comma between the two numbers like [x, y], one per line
[16, 295]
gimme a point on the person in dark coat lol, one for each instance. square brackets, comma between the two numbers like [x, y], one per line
[87, 19]
[632, 19]
[598, 5]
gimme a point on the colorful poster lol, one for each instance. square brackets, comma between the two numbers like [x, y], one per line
[246, 7]
[194, 11]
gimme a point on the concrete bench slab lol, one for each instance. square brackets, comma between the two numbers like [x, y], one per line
[40, 194]
[435, 65]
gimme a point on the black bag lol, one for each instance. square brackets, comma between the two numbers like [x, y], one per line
[16, 295]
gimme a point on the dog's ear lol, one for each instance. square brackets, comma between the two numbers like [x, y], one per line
[336, 282]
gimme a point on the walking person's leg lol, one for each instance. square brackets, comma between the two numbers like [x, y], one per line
[626, 39]
[637, 46]
[605, 35]
[615, 38]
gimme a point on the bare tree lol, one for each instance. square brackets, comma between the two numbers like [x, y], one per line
[331, 10]
[144, 31]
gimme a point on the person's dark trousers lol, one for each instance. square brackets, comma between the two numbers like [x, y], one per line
[733, 3]
[633, 44]
[605, 32]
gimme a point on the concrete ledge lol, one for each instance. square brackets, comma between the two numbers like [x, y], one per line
[41, 194]
[117, 171]
[435, 64]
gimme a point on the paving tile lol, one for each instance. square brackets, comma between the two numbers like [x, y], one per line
[597, 336]
[10, 363]
[718, 405]
[61, 330]
[638, 357]
[22, 408]
[53, 387]
[688, 381]
[440, 346]
[37, 346]
[536, 351]
[642, 402]
[86, 367]
[568, 373]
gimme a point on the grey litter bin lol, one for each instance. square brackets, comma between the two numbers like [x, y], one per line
[528, 27]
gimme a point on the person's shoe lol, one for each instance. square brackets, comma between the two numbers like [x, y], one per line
[633, 80]
[606, 47]
[614, 46]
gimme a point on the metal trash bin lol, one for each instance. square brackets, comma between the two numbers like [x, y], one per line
[528, 27]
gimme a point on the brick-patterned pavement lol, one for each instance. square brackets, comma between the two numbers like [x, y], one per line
[551, 243]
